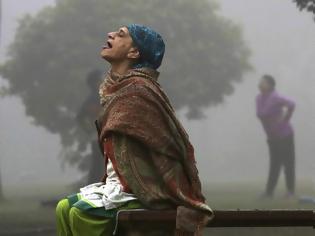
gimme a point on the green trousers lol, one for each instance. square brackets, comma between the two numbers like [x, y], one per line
[72, 221]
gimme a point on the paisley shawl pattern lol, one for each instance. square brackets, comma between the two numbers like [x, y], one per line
[152, 149]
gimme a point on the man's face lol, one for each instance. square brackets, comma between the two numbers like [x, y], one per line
[264, 86]
[119, 46]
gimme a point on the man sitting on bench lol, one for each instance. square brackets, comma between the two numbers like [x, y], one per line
[149, 160]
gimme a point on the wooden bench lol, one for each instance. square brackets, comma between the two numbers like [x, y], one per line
[162, 223]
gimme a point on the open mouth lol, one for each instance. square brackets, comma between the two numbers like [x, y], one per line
[107, 45]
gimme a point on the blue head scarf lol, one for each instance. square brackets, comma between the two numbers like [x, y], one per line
[150, 45]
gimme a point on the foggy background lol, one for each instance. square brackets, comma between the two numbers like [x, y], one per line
[230, 139]
[229, 142]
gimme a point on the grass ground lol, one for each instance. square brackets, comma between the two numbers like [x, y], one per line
[23, 213]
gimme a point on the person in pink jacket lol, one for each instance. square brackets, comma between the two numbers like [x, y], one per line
[275, 112]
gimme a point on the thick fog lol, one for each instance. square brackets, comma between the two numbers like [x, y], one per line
[29, 154]
[230, 143]
[282, 43]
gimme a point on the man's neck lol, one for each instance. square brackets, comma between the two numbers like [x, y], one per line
[120, 68]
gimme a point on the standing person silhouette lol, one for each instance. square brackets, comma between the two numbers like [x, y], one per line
[275, 112]
[88, 111]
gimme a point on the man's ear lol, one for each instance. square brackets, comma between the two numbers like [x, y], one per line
[133, 53]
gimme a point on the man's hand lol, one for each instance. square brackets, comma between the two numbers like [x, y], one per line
[191, 220]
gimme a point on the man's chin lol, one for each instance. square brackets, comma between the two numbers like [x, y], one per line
[105, 57]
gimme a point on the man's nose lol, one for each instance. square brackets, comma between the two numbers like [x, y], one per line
[111, 35]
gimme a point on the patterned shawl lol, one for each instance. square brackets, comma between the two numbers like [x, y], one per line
[135, 106]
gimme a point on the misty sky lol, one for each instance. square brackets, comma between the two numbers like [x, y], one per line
[230, 143]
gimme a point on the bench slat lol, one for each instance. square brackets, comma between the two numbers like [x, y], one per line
[228, 218]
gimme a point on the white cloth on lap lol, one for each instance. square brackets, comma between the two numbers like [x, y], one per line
[109, 195]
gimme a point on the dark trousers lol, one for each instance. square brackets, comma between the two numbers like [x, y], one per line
[282, 154]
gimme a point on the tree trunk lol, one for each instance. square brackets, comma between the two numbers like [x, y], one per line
[1, 189]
